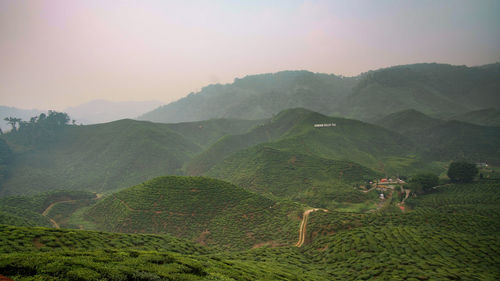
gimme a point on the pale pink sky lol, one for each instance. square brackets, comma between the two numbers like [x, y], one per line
[60, 53]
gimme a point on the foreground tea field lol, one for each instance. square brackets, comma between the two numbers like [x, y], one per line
[449, 234]
[452, 233]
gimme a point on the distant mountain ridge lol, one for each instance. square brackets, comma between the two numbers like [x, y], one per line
[438, 90]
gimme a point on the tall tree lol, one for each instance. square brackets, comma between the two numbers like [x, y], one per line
[462, 171]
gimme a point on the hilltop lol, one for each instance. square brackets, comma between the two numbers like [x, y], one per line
[257, 97]
[209, 211]
[293, 130]
[95, 157]
[315, 181]
[408, 122]
[106, 156]
[439, 90]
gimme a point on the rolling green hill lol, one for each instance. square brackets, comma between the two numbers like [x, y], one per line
[106, 156]
[455, 140]
[439, 90]
[484, 117]
[96, 158]
[37, 210]
[293, 130]
[449, 234]
[205, 133]
[315, 181]
[209, 211]
[408, 122]
[268, 131]
[440, 140]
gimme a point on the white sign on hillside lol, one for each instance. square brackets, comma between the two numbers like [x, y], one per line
[325, 125]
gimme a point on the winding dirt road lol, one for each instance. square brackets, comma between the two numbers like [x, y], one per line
[303, 226]
[53, 222]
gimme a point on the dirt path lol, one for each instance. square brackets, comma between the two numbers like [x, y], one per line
[52, 205]
[407, 191]
[53, 222]
[303, 226]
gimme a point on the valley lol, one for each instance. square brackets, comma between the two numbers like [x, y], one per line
[294, 193]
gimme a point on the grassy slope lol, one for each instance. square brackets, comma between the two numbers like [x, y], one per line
[440, 140]
[409, 122]
[293, 130]
[27, 211]
[449, 234]
[110, 156]
[209, 211]
[272, 129]
[99, 158]
[312, 180]
[82, 255]
[205, 133]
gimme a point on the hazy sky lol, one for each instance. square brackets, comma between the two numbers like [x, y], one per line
[55, 54]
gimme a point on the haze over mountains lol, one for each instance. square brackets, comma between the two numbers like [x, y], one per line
[438, 90]
[92, 112]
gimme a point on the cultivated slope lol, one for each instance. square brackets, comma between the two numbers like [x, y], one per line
[96, 158]
[312, 180]
[205, 133]
[437, 236]
[106, 156]
[293, 130]
[209, 211]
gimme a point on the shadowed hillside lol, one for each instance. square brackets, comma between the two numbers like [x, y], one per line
[446, 140]
[483, 117]
[439, 90]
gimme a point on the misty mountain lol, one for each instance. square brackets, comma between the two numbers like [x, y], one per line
[101, 111]
[257, 97]
[438, 90]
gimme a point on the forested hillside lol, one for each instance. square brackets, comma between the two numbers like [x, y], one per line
[439, 90]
